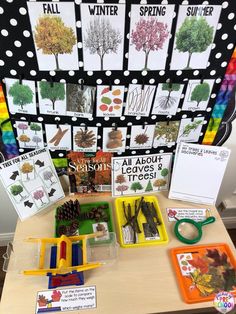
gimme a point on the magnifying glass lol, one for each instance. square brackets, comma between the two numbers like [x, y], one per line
[189, 231]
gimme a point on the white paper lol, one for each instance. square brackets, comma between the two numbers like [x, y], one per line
[29, 135]
[197, 214]
[58, 136]
[198, 172]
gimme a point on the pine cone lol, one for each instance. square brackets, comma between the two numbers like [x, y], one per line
[141, 138]
[85, 138]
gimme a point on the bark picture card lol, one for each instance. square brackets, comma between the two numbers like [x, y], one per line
[52, 98]
[31, 182]
[103, 36]
[80, 100]
[140, 174]
[197, 95]
[54, 33]
[21, 96]
[150, 28]
[139, 100]
[58, 136]
[167, 98]
[85, 139]
[142, 136]
[166, 133]
[195, 32]
[29, 135]
[110, 100]
[114, 139]
[189, 130]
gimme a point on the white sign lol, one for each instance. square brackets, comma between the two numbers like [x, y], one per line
[197, 214]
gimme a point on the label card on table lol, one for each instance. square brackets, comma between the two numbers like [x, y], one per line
[197, 214]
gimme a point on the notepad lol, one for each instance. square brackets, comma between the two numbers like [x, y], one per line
[198, 172]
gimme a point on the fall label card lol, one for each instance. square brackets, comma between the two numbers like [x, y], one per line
[110, 100]
[54, 33]
[85, 139]
[189, 131]
[195, 32]
[139, 100]
[103, 36]
[142, 136]
[58, 136]
[29, 135]
[114, 140]
[166, 133]
[21, 96]
[197, 95]
[167, 98]
[150, 28]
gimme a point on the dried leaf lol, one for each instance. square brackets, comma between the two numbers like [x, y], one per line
[200, 264]
[218, 260]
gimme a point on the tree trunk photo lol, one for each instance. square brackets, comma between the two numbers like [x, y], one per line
[189, 58]
[57, 62]
[101, 62]
[146, 60]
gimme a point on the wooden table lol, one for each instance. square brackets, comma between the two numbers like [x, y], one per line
[141, 281]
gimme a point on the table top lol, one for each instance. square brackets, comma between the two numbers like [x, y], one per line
[142, 279]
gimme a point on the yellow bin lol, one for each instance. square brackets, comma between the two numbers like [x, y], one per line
[125, 234]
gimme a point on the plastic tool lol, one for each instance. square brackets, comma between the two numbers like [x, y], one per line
[189, 231]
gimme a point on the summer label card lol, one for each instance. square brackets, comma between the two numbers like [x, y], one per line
[85, 139]
[58, 136]
[103, 36]
[142, 136]
[140, 174]
[189, 130]
[31, 182]
[150, 28]
[29, 135]
[21, 96]
[114, 139]
[195, 32]
[54, 33]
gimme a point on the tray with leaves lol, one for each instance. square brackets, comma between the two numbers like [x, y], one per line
[202, 271]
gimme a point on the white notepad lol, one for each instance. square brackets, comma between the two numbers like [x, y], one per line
[198, 172]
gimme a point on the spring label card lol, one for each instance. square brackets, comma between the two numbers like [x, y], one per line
[21, 96]
[189, 131]
[54, 33]
[195, 32]
[58, 136]
[114, 140]
[85, 139]
[150, 28]
[166, 134]
[103, 36]
[29, 135]
[142, 136]
[140, 174]
[31, 182]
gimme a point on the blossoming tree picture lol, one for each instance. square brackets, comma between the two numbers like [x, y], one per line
[149, 36]
[40, 197]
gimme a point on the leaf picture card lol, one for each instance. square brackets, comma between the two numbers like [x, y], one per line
[142, 136]
[167, 98]
[150, 28]
[21, 96]
[103, 36]
[189, 131]
[80, 100]
[195, 32]
[58, 136]
[110, 100]
[139, 100]
[85, 139]
[29, 135]
[52, 98]
[114, 140]
[197, 95]
[166, 134]
[54, 34]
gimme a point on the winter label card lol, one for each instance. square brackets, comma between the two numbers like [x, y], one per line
[29, 135]
[110, 100]
[150, 28]
[52, 98]
[197, 95]
[166, 133]
[85, 139]
[54, 33]
[103, 36]
[21, 96]
[195, 32]
[167, 98]
[142, 174]
[142, 136]
[139, 100]
[189, 130]
[114, 139]
[58, 136]
[80, 100]
[31, 182]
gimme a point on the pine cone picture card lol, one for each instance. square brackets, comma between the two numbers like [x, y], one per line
[85, 139]
[142, 136]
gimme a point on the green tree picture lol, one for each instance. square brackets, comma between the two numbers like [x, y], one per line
[16, 189]
[149, 186]
[164, 172]
[35, 127]
[194, 35]
[135, 186]
[200, 93]
[22, 94]
[54, 93]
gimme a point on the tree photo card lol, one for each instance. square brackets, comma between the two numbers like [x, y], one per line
[29, 135]
[197, 95]
[142, 136]
[58, 136]
[150, 28]
[85, 139]
[114, 139]
[21, 96]
[54, 33]
[103, 36]
[167, 98]
[195, 32]
[166, 133]
[189, 130]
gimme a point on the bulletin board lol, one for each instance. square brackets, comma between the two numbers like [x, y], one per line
[18, 61]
